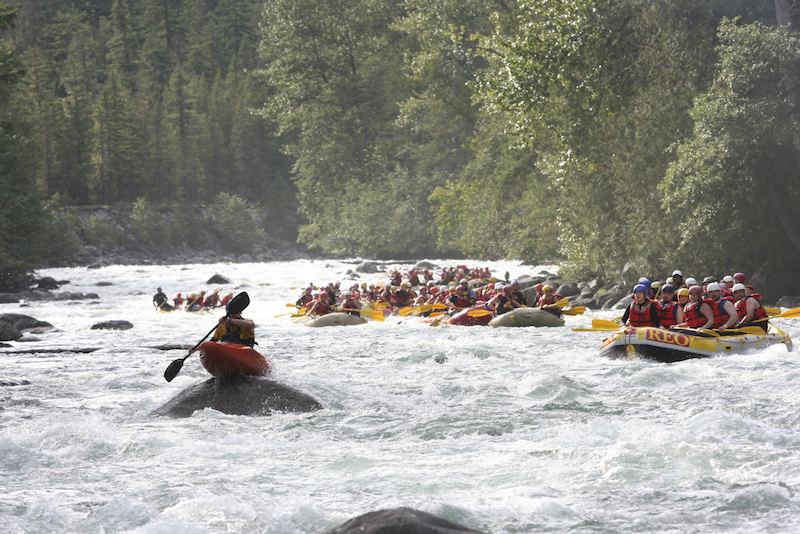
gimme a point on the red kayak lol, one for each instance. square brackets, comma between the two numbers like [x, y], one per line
[226, 359]
[462, 318]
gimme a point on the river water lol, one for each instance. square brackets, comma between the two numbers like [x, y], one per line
[519, 430]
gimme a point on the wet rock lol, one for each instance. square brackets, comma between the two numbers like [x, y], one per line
[788, 302]
[612, 297]
[530, 295]
[587, 301]
[103, 284]
[24, 322]
[68, 295]
[5, 345]
[399, 521]
[623, 303]
[422, 265]
[28, 339]
[112, 325]
[246, 395]
[9, 298]
[526, 281]
[4, 382]
[170, 346]
[569, 290]
[367, 267]
[94, 266]
[62, 282]
[47, 283]
[9, 332]
[218, 279]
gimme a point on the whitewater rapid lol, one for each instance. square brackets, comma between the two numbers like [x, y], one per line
[519, 430]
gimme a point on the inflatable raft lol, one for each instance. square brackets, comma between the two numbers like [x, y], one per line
[335, 319]
[229, 359]
[677, 345]
[527, 317]
[462, 318]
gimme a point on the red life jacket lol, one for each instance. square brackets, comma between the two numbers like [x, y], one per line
[692, 315]
[741, 309]
[323, 308]
[641, 317]
[544, 300]
[461, 302]
[718, 310]
[667, 314]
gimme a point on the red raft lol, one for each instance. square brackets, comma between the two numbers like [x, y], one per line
[463, 318]
[227, 359]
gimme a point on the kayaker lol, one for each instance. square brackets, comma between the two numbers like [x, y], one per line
[749, 309]
[669, 311]
[642, 311]
[723, 310]
[349, 304]
[235, 329]
[697, 312]
[159, 299]
[322, 305]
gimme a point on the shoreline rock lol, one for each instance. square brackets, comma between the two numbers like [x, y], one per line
[113, 325]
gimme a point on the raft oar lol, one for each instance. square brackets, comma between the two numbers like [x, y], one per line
[300, 311]
[788, 314]
[481, 312]
[575, 310]
[235, 306]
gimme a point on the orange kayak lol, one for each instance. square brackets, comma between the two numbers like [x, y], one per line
[226, 359]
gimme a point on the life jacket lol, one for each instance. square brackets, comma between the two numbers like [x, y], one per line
[351, 305]
[641, 317]
[304, 299]
[741, 309]
[232, 333]
[460, 301]
[718, 310]
[544, 300]
[226, 299]
[323, 308]
[692, 315]
[178, 301]
[667, 313]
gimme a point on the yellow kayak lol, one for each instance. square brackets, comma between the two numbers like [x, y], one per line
[678, 345]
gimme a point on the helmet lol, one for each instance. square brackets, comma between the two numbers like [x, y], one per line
[159, 289]
[739, 278]
[713, 286]
[640, 288]
[691, 282]
[538, 287]
[547, 288]
[656, 284]
[345, 294]
[644, 280]
[434, 290]
[683, 292]
[364, 285]
[671, 281]
[405, 285]
[499, 287]
[728, 279]
[463, 281]
[490, 286]
[676, 272]
[739, 287]
[723, 285]
[709, 280]
[668, 288]
[697, 291]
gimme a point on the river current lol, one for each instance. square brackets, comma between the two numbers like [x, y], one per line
[519, 430]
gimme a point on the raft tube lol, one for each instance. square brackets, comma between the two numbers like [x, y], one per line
[336, 319]
[463, 319]
[527, 317]
[670, 346]
[232, 359]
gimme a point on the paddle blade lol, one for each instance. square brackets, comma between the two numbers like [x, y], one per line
[407, 310]
[238, 304]
[575, 310]
[794, 312]
[479, 313]
[605, 324]
[173, 369]
[595, 329]
[377, 316]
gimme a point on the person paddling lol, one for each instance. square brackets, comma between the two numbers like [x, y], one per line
[670, 312]
[722, 309]
[234, 328]
[749, 309]
[642, 311]
[160, 300]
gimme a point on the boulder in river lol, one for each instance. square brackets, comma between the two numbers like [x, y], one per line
[103, 283]
[368, 267]
[5, 345]
[24, 322]
[5, 382]
[47, 282]
[9, 298]
[623, 303]
[789, 302]
[112, 325]
[422, 265]
[68, 295]
[399, 521]
[245, 395]
[9, 332]
[218, 279]
[569, 290]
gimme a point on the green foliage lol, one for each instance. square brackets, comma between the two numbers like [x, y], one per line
[236, 222]
[149, 224]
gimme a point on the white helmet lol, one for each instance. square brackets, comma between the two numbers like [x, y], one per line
[346, 294]
[691, 282]
[670, 281]
[723, 285]
[728, 279]
[676, 272]
[713, 286]
[499, 287]
[739, 287]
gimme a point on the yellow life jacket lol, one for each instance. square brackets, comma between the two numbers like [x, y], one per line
[234, 334]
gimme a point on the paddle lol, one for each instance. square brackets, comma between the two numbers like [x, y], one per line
[788, 314]
[575, 310]
[301, 311]
[481, 312]
[235, 306]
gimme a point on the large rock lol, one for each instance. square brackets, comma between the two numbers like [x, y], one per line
[9, 298]
[367, 267]
[112, 325]
[587, 301]
[568, 290]
[218, 279]
[68, 295]
[789, 302]
[525, 281]
[9, 332]
[47, 283]
[399, 521]
[246, 395]
[623, 303]
[24, 322]
[422, 265]
[4, 382]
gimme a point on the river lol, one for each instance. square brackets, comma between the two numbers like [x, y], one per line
[519, 430]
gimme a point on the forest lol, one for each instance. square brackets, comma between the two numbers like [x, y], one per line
[599, 134]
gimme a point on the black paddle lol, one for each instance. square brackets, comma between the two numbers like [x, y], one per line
[235, 306]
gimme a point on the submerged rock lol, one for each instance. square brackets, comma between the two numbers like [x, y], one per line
[103, 283]
[245, 395]
[68, 295]
[24, 322]
[399, 521]
[218, 279]
[112, 325]
[4, 382]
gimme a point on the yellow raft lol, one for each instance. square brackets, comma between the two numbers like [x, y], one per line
[678, 345]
